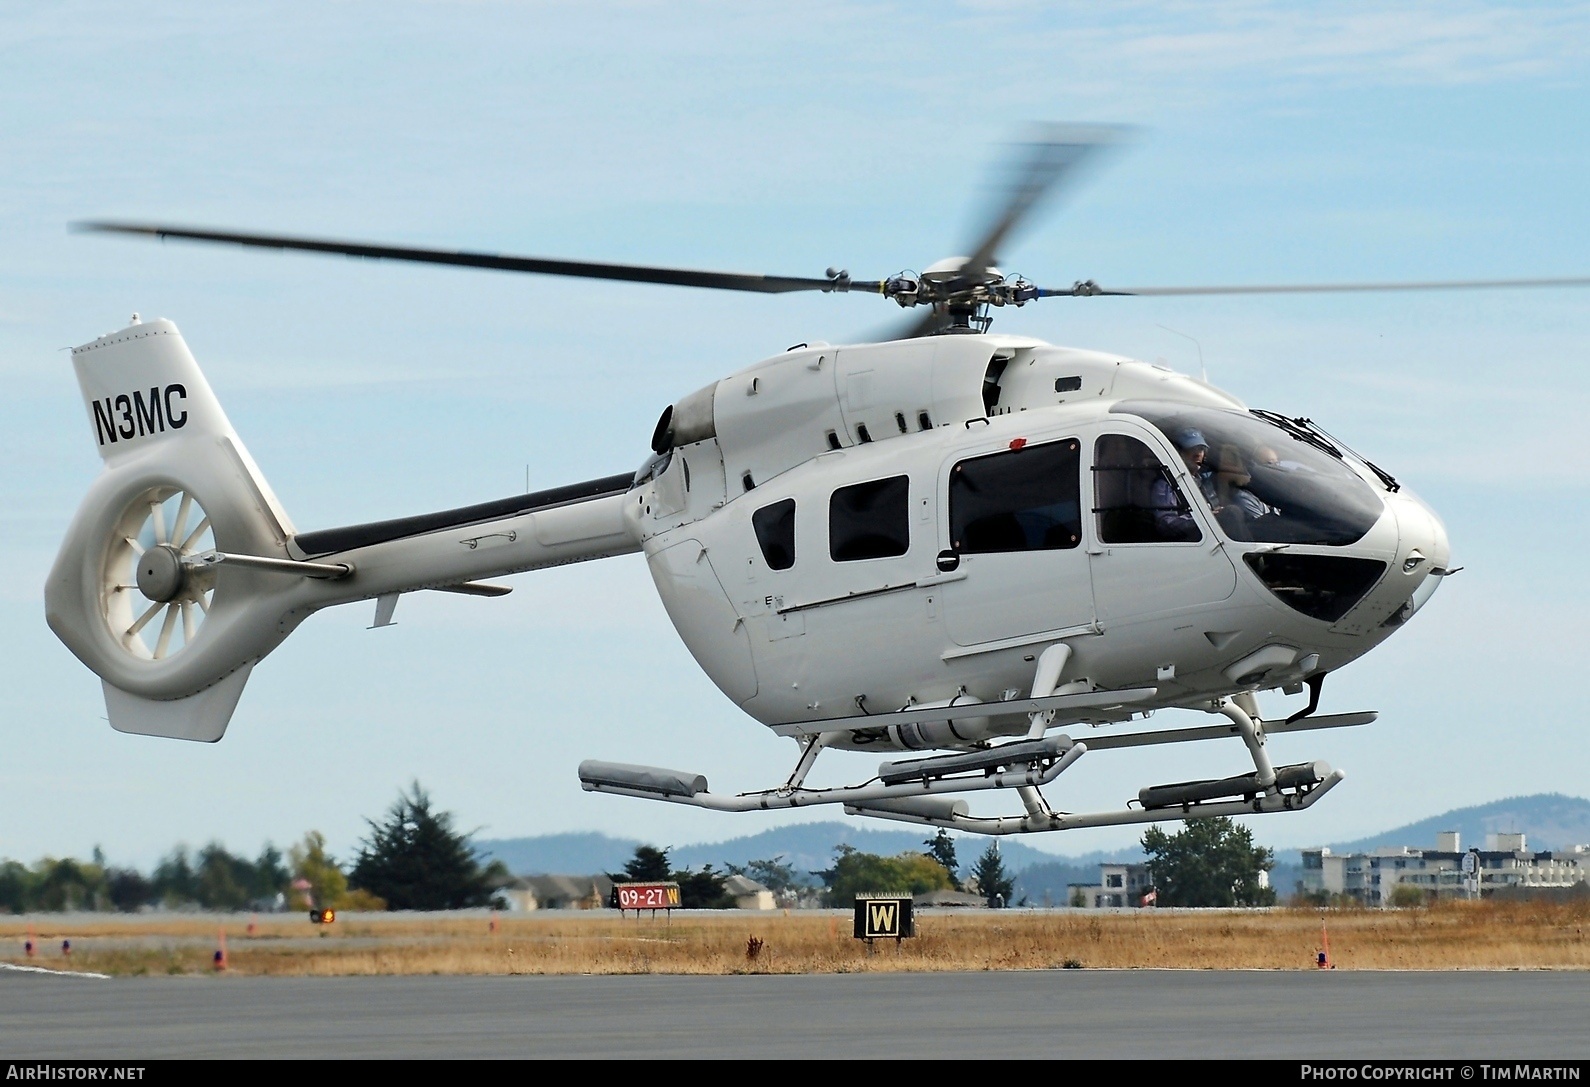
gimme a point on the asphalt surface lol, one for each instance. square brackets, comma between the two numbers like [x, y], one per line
[1062, 1013]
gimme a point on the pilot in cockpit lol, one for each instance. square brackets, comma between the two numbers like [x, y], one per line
[1171, 516]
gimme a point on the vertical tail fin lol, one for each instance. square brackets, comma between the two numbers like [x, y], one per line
[172, 639]
[142, 386]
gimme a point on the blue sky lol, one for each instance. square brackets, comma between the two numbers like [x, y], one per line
[1274, 144]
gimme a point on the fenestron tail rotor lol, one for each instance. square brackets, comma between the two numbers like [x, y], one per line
[155, 598]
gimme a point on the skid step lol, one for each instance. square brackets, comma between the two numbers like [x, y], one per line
[1023, 751]
[1301, 775]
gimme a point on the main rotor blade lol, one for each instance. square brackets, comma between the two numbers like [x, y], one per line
[633, 273]
[1089, 289]
[1054, 152]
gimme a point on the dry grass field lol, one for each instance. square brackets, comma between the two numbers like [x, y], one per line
[1456, 936]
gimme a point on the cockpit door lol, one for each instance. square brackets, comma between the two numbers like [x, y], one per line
[1011, 522]
[1152, 543]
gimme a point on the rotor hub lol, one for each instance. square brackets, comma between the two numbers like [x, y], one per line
[160, 573]
[958, 271]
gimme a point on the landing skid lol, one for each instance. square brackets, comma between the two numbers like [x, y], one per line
[930, 791]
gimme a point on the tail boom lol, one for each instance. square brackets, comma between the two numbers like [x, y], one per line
[181, 540]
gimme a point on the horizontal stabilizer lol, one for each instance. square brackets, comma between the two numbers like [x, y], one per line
[202, 717]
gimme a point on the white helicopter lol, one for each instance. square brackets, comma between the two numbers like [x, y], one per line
[953, 543]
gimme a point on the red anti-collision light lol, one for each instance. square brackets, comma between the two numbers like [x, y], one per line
[1016, 444]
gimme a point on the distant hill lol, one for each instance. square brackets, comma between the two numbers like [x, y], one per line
[806, 847]
[1548, 820]
[810, 847]
[1049, 883]
[559, 854]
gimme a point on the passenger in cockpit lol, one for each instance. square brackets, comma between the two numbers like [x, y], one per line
[1269, 458]
[1240, 507]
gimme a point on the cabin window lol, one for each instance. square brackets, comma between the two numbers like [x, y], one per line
[775, 533]
[1320, 586]
[1138, 500]
[870, 520]
[1026, 499]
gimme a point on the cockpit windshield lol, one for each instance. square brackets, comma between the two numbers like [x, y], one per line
[1263, 483]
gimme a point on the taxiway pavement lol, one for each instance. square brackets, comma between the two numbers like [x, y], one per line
[1059, 1013]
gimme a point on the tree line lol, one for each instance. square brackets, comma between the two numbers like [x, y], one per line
[412, 859]
[853, 873]
[937, 869]
[1208, 863]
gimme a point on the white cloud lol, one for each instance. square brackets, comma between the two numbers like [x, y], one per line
[1366, 43]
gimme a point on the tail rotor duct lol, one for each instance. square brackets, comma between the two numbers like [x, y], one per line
[154, 598]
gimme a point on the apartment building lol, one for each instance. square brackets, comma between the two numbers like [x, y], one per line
[1445, 871]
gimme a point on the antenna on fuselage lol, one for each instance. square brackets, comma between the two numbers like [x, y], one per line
[1203, 370]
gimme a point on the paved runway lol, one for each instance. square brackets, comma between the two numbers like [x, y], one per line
[1062, 1013]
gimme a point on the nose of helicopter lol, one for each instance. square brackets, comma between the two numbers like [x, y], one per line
[1424, 553]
